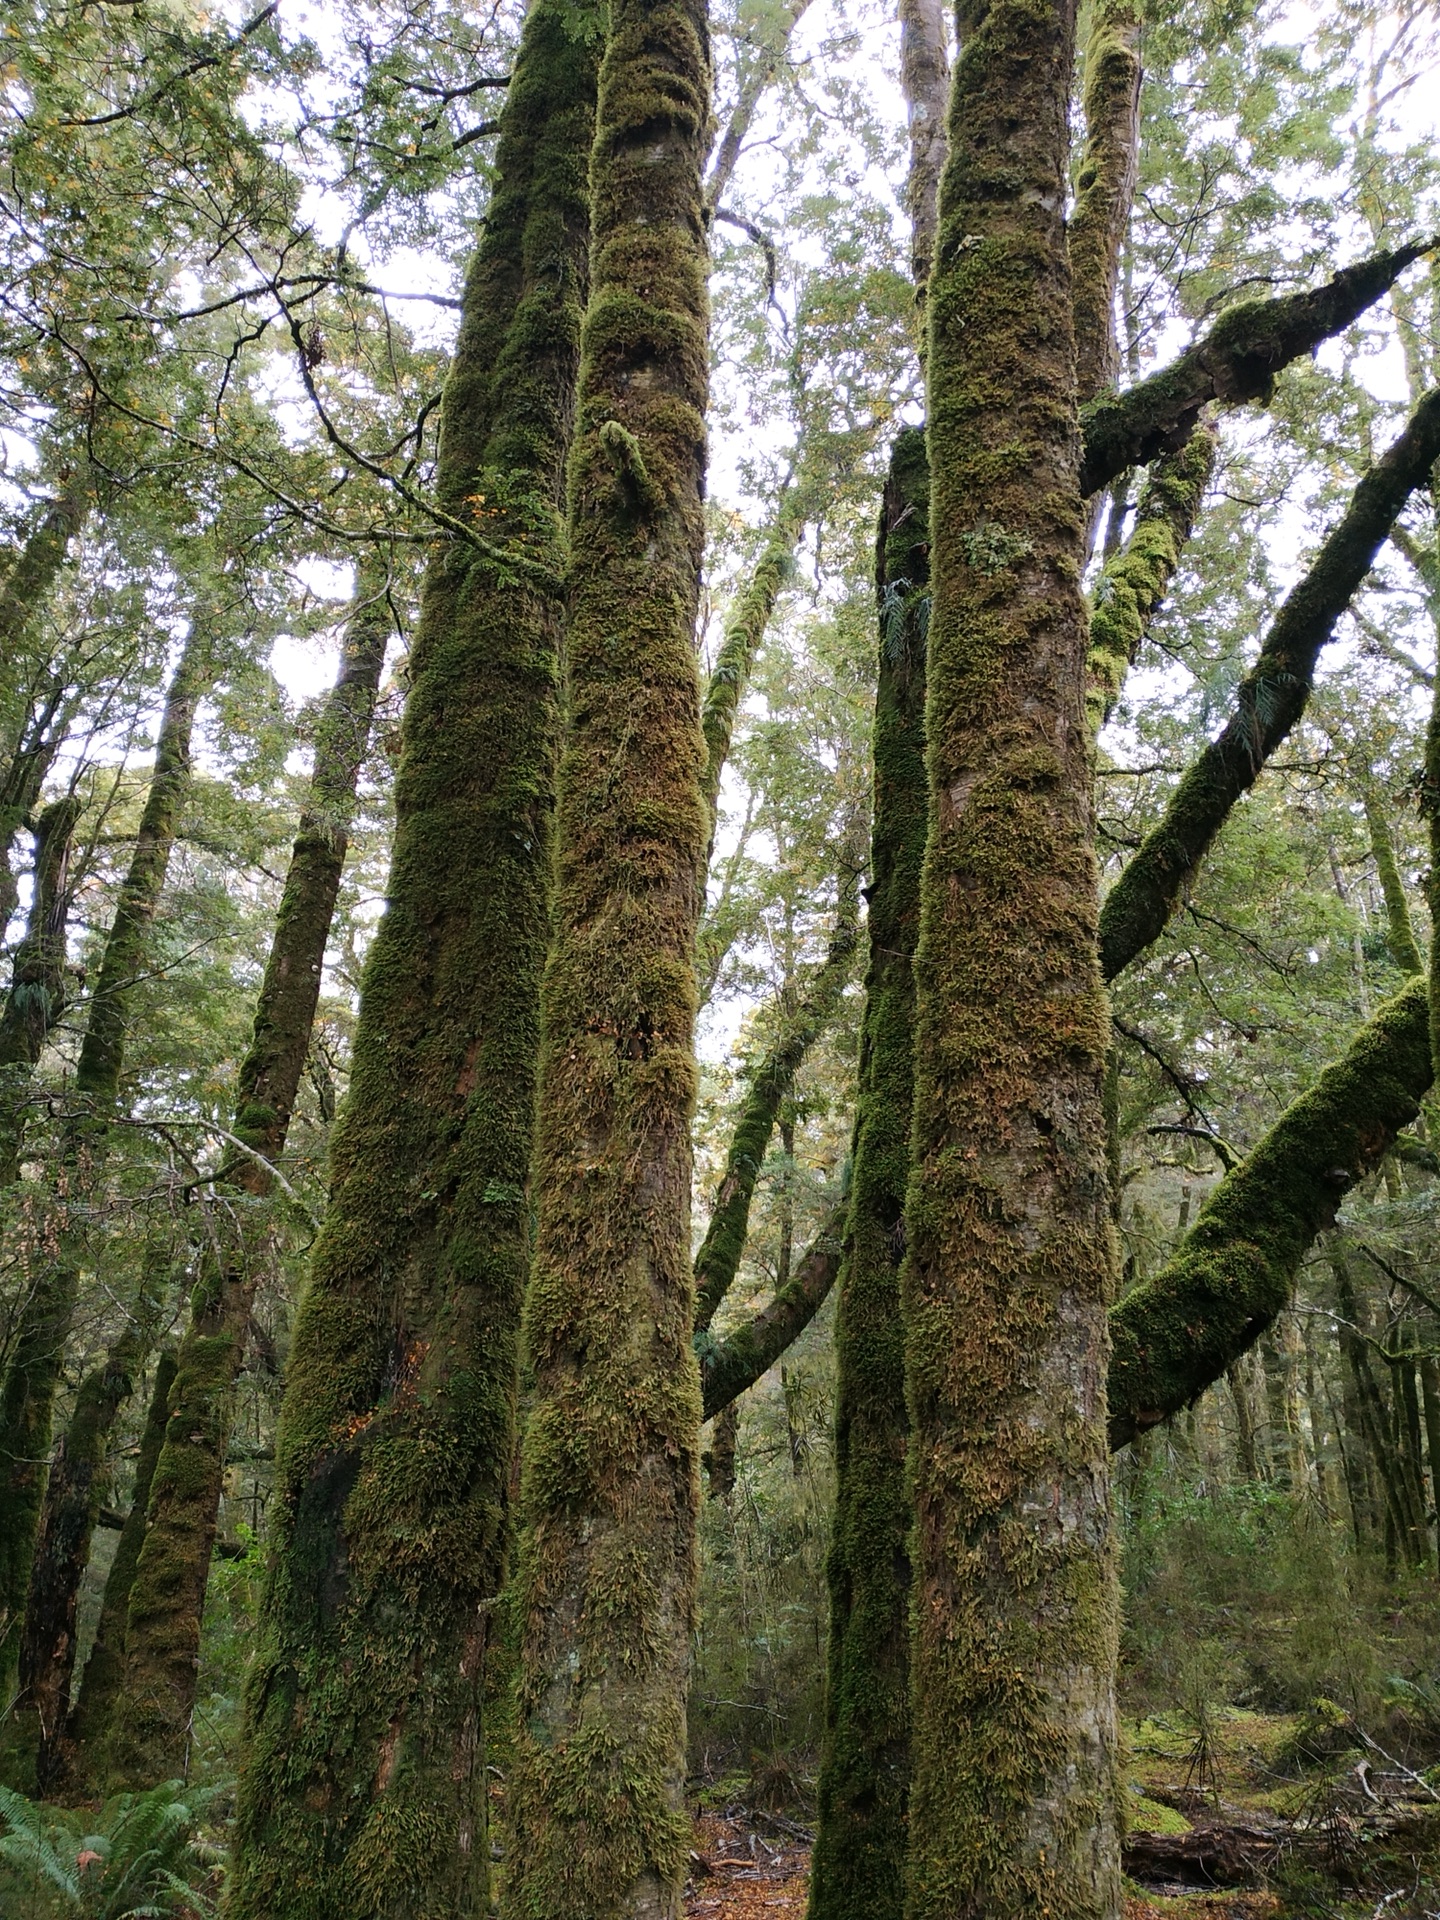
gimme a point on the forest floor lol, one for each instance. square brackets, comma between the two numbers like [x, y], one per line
[1246, 1816]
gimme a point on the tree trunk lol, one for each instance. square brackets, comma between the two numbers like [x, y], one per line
[1104, 188]
[857, 1872]
[396, 1434]
[1399, 927]
[1010, 1257]
[606, 1582]
[925, 83]
[148, 1741]
[37, 990]
[104, 1670]
[28, 1398]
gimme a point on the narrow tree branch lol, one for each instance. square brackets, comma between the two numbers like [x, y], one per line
[736, 1363]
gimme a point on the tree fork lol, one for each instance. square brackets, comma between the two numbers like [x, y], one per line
[362, 1785]
[605, 1587]
[148, 1740]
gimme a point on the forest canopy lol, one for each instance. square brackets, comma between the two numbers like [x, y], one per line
[719, 788]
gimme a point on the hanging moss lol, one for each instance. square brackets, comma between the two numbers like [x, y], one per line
[606, 1580]
[149, 1740]
[28, 1398]
[1235, 1269]
[1104, 188]
[1132, 585]
[1009, 1261]
[1270, 700]
[858, 1867]
[104, 1670]
[362, 1783]
[723, 1247]
[1236, 361]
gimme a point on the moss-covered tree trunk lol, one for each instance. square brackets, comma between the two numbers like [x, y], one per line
[1008, 1267]
[161, 1651]
[609, 1491]
[858, 1866]
[104, 1669]
[28, 1397]
[1104, 189]
[37, 986]
[362, 1786]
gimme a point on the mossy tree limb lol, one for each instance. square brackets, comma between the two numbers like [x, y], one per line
[362, 1784]
[1133, 583]
[1009, 1261]
[858, 1867]
[609, 1492]
[1399, 927]
[149, 1740]
[1104, 188]
[27, 1399]
[1233, 1273]
[104, 1670]
[729, 1367]
[723, 1247]
[1236, 361]
[1270, 699]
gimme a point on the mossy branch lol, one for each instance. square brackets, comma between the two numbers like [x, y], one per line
[1176, 1334]
[629, 463]
[1133, 584]
[729, 1367]
[1399, 927]
[1104, 188]
[1270, 700]
[1236, 361]
[721, 1250]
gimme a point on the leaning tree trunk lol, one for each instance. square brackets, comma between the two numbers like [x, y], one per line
[362, 1782]
[858, 1867]
[1010, 1254]
[28, 1398]
[147, 1741]
[609, 1493]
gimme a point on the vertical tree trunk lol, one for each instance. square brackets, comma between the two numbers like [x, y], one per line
[28, 1398]
[606, 1582]
[1104, 188]
[925, 82]
[362, 1788]
[37, 990]
[1009, 1265]
[148, 1740]
[858, 1868]
[104, 1670]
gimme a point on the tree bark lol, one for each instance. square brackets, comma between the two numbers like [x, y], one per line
[857, 1872]
[728, 1367]
[718, 1259]
[1271, 699]
[1104, 189]
[37, 988]
[28, 1398]
[149, 1739]
[1399, 927]
[610, 1480]
[104, 1670]
[393, 1459]
[1010, 1256]
[1236, 361]
[925, 83]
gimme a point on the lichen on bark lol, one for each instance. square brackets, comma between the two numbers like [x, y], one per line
[362, 1780]
[1009, 1260]
[605, 1584]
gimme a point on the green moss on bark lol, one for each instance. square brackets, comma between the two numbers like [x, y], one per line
[1236, 361]
[37, 989]
[606, 1581]
[730, 1366]
[1399, 927]
[149, 1740]
[362, 1789]
[1270, 700]
[1177, 1333]
[1104, 188]
[858, 1868]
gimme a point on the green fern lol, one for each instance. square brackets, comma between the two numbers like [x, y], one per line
[143, 1863]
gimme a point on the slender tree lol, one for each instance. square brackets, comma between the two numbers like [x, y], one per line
[609, 1494]
[362, 1789]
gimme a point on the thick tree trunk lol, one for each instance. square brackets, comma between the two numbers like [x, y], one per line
[718, 1259]
[37, 989]
[606, 1582]
[1010, 1258]
[148, 1741]
[28, 1398]
[104, 1670]
[362, 1798]
[859, 1860]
